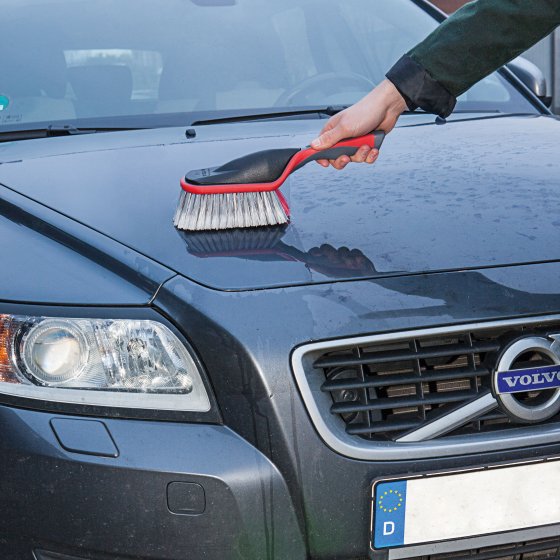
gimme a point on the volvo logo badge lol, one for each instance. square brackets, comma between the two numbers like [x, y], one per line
[509, 382]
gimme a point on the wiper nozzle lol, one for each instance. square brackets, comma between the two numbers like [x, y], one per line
[66, 130]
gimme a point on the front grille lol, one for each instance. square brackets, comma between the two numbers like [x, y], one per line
[383, 387]
[384, 390]
[544, 549]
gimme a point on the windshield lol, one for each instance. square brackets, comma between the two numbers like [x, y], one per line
[71, 61]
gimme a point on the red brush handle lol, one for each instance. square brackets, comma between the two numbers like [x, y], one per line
[344, 147]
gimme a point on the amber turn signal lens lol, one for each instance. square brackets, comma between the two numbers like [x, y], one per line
[6, 370]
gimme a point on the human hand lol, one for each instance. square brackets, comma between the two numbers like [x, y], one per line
[349, 259]
[378, 110]
[338, 263]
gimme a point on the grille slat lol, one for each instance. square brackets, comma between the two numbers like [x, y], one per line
[493, 416]
[380, 427]
[403, 402]
[382, 390]
[363, 391]
[391, 380]
[370, 358]
[422, 406]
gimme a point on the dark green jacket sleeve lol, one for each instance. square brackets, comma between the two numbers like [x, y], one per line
[469, 45]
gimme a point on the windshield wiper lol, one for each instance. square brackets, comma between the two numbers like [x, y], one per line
[53, 130]
[245, 116]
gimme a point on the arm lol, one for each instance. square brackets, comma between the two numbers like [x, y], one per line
[469, 45]
[472, 43]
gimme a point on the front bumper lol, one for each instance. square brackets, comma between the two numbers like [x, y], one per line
[58, 504]
[91, 506]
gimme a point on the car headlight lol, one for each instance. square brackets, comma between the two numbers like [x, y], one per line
[120, 363]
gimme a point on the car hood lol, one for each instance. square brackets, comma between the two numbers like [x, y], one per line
[474, 193]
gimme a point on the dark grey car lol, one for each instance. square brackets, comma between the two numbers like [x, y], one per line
[343, 387]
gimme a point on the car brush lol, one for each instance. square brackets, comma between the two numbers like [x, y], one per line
[244, 192]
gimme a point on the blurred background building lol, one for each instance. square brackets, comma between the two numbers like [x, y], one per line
[544, 54]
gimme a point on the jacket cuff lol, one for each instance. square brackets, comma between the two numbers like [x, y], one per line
[419, 89]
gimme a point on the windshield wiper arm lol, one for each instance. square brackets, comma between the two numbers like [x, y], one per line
[53, 130]
[69, 130]
[271, 115]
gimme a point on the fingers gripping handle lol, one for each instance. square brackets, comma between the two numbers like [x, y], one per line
[344, 148]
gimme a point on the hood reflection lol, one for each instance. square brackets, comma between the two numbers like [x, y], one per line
[265, 244]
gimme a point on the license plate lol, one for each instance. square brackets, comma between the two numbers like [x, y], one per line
[452, 506]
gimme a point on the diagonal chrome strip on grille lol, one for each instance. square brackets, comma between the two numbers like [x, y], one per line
[452, 420]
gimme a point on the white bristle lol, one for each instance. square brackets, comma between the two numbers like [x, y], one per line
[199, 212]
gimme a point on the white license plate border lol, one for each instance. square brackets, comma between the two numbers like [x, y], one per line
[445, 472]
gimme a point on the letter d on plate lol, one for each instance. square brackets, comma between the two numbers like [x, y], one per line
[388, 514]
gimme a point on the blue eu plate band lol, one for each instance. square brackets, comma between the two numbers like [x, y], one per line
[389, 516]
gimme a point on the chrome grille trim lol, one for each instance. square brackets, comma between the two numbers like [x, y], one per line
[447, 423]
[333, 432]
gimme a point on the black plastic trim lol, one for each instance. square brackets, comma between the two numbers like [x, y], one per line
[260, 167]
[44, 555]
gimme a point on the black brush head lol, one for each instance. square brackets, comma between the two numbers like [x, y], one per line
[260, 167]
